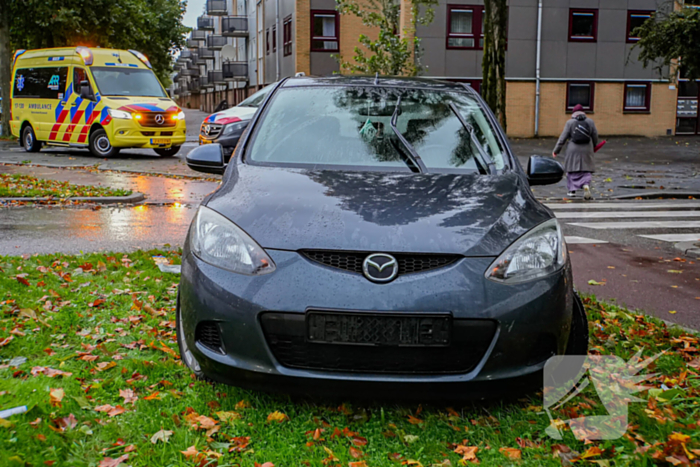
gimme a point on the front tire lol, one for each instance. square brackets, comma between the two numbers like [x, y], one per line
[187, 357]
[167, 152]
[100, 145]
[29, 140]
[578, 336]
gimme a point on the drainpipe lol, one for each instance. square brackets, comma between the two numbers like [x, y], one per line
[537, 68]
[277, 35]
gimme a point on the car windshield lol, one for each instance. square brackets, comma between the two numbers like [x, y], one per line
[351, 126]
[118, 81]
[256, 99]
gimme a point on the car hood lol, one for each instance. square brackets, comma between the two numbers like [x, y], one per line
[141, 104]
[292, 209]
[244, 113]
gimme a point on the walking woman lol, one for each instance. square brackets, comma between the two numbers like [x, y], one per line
[582, 135]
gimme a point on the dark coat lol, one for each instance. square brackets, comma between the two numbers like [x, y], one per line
[579, 157]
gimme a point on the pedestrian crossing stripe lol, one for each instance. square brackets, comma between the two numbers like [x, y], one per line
[574, 240]
[675, 238]
[639, 225]
[626, 214]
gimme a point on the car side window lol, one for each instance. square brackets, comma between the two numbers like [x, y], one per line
[41, 83]
[79, 75]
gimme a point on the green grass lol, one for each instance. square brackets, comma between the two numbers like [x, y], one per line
[26, 186]
[78, 314]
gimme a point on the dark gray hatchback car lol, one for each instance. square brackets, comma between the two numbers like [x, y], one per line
[375, 235]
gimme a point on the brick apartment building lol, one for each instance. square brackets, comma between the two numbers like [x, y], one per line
[585, 57]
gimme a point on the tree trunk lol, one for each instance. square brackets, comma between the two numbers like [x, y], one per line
[493, 87]
[5, 65]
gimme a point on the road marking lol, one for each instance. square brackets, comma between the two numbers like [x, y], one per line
[573, 240]
[626, 214]
[674, 238]
[637, 205]
[640, 225]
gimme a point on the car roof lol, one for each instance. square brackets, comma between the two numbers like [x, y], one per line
[382, 81]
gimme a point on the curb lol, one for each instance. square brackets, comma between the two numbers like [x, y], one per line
[689, 248]
[126, 171]
[658, 195]
[131, 199]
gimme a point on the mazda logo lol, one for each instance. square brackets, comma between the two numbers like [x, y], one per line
[380, 267]
[160, 119]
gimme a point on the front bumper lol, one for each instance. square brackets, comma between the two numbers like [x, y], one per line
[129, 134]
[532, 322]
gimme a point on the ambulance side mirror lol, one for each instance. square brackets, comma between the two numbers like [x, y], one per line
[85, 92]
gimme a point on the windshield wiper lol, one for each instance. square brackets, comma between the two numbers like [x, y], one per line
[410, 151]
[484, 159]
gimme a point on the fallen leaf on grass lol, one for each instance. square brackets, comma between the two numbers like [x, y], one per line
[162, 435]
[468, 453]
[277, 416]
[56, 396]
[593, 451]
[102, 366]
[675, 271]
[673, 312]
[240, 443]
[110, 410]
[109, 462]
[50, 372]
[357, 464]
[266, 464]
[5, 341]
[356, 453]
[511, 453]
[153, 396]
[414, 421]
[592, 282]
[128, 395]
[227, 416]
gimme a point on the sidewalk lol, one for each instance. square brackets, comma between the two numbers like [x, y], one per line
[629, 167]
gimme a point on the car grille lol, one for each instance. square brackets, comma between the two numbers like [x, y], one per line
[208, 335]
[148, 119]
[408, 262]
[214, 130]
[285, 334]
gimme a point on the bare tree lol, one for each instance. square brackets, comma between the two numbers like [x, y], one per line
[493, 87]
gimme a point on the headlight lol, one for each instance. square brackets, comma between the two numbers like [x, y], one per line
[219, 242]
[179, 116]
[119, 114]
[538, 253]
[231, 127]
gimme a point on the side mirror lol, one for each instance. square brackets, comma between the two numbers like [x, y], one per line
[85, 90]
[544, 171]
[208, 158]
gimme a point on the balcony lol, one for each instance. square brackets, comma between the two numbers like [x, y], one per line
[216, 7]
[198, 35]
[193, 43]
[204, 54]
[205, 23]
[233, 71]
[193, 86]
[216, 77]
[192, 65]
[234, 26]
[216, 42]
[185, 54]
[190, 71]
[205, 83]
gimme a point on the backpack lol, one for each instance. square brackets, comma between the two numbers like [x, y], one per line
[581, 133]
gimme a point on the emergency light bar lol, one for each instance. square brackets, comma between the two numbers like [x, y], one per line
[141, 57]
[85, 54]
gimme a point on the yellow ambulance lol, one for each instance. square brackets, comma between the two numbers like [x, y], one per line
[101, 99]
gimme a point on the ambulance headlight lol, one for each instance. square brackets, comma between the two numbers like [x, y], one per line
[119, 114]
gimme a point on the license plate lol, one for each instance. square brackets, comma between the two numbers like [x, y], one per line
[160, 141]
[378, 329]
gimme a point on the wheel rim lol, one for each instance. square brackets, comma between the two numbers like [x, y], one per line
[187, 356]
[103, 145]
[28, 140]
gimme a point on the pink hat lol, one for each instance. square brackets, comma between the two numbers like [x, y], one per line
[578, 108]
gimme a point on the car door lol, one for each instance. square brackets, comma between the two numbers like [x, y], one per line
[76, 105]
[53, 112]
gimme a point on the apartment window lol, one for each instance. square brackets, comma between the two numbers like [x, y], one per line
[324, 31]
[583, 25]
[267, 41]
[274, 38]
[637, 97]
[287, 35]
[580, 93]
[635, 19]
[465, 26]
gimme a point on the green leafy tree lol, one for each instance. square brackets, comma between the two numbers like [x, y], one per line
[493, 87]
[153, 27]
[670, 36]
[393, 52]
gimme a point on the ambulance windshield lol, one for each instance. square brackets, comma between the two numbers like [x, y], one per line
[121, 81]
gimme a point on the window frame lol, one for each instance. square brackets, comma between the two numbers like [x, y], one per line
[630, 39]
[274, 38]
[591, 84]
[267, 41]
[573, 38]
[477, 30]
[335, 38]
[287, 36]
[647, 98]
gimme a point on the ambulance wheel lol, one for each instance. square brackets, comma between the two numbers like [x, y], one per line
[167, 152]
[29, 140]
[100, 145]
